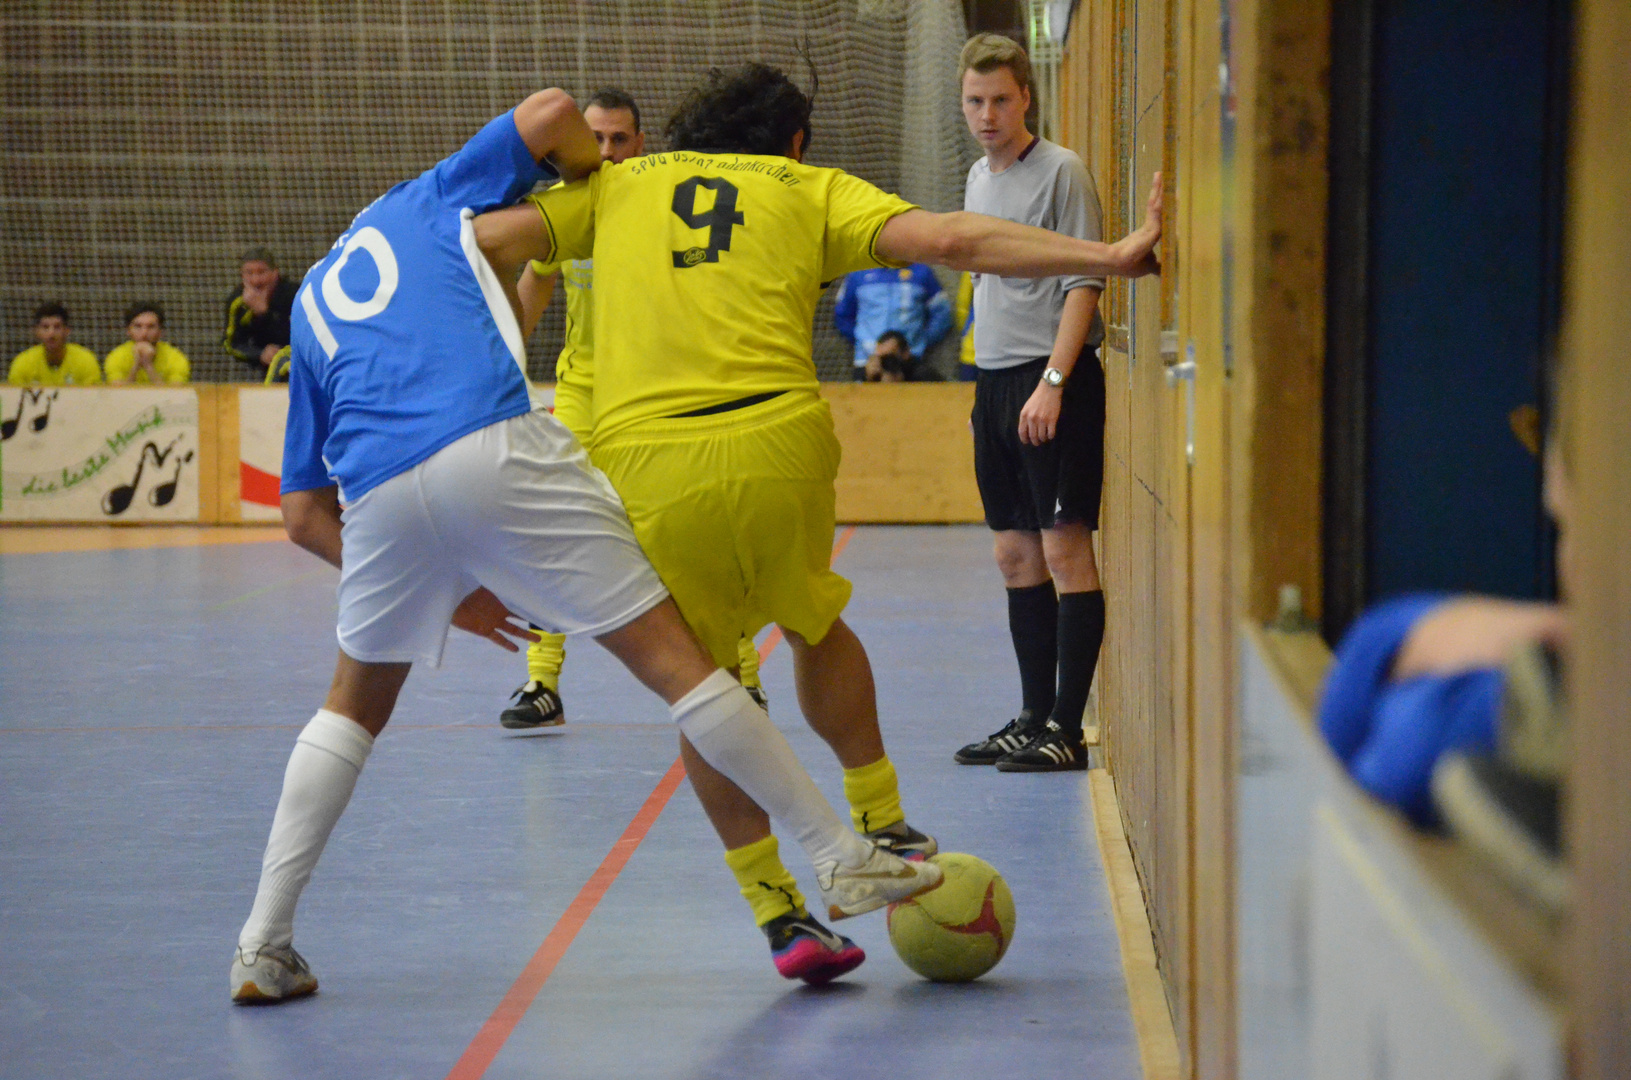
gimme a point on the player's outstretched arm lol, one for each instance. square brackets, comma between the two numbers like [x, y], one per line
[988, 245]
[553, 129]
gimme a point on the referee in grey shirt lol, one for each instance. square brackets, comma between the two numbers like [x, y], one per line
[1038, 418]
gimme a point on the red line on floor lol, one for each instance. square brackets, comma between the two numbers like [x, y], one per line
[473, 1064]
[843, 541]
[496, 1031]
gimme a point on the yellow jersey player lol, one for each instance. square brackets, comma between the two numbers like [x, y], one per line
[614, 117]
[707, 415]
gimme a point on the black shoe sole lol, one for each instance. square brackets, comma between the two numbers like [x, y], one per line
[521, 723]
[1021, 767]
[962, 759]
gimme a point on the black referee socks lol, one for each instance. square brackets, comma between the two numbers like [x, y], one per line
[1081, 632]
[1033, 621]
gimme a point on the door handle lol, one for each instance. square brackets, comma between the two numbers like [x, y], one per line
[1184, 372]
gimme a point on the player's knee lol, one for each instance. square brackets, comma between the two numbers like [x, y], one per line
[1019, 560]
[1069, 554]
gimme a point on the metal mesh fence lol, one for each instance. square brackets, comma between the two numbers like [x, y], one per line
[150, 142]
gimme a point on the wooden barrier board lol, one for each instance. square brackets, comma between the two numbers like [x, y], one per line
[907, 455]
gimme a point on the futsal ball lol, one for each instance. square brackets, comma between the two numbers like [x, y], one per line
[958, 930]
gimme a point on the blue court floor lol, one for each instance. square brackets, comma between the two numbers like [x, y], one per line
[148, 702]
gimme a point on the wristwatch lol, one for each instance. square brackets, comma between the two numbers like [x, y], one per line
[1053, 377]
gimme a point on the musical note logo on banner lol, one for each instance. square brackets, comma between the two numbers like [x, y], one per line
[118, 499]
[36, 423]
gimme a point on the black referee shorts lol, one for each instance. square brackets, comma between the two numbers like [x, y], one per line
[1037, 487]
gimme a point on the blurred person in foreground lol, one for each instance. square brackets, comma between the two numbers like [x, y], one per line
[55, 361]
[146, 357]
[1449, 709]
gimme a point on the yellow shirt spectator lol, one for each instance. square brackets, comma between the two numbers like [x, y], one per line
[78, 368]
[170, 364]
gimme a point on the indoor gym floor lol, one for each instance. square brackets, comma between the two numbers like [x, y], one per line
[492, 904]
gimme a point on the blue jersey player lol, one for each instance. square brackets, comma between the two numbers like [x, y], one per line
[417, 462]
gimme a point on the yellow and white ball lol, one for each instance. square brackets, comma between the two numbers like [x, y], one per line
[958, 930]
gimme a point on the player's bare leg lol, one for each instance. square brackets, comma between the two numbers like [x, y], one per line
[317, 784]
[837, 694]
[840, 701]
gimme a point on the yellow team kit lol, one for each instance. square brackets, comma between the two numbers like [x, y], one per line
[718, 261]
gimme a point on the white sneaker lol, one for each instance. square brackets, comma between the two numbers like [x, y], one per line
[883, 879]
[270, 973]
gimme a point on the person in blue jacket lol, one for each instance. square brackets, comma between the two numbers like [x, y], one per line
[908, 300]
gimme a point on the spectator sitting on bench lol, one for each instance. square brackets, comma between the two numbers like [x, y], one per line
[146, 357]
[55, 361]
[258, 312]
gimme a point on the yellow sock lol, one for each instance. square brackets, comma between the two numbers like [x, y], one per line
[873, 792]
[544, 660]
[747, 653]
[766, 885]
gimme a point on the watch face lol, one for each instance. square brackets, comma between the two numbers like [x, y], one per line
[1053, 377]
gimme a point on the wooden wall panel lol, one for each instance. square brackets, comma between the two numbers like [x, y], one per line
[1199, 221]
[908, 455]
[1187, 549]
[209, 449]
[1597, 395]
[1282, 62]
[229, 488]
[1119, 74]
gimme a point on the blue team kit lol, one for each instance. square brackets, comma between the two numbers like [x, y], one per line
[402, 339]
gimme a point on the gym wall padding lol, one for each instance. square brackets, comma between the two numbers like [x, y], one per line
[106, 454]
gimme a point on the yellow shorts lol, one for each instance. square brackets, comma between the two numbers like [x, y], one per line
[573, 407]
[735, 510]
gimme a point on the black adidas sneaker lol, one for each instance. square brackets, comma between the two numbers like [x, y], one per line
[536, 705]
[1052, 750]
[1015, 735]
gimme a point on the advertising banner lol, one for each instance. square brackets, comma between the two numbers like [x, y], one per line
[104, 455]
[262, 411]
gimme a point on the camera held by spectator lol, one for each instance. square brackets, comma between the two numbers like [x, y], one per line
[892, 361]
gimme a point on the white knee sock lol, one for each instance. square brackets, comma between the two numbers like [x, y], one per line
[735, 736]
[317, 785]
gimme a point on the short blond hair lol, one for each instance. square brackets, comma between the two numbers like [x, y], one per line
[986, 53]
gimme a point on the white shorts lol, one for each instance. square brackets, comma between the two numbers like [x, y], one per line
[516, 507]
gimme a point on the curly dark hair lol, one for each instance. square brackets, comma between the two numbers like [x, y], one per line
[754, 109]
